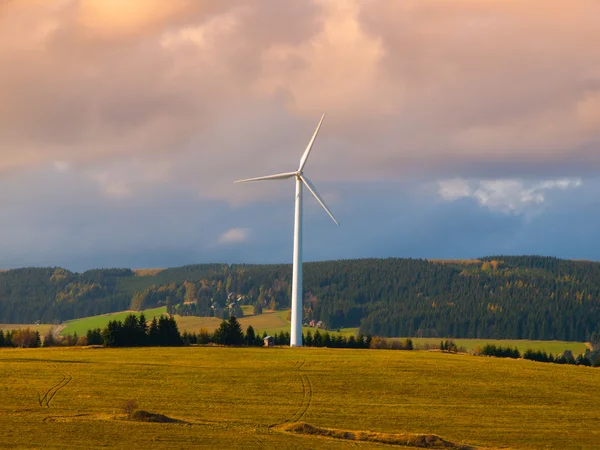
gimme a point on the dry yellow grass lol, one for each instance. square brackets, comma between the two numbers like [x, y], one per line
[238, 397]
[269, 320]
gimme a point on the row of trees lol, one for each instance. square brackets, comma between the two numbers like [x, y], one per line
[500, 352]
[230, 333]
[135, 332]
[586, 359]
[25, 338]
[589, 358]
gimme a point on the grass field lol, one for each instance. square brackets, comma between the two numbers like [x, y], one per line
[270, 322]
[554, 347]
[81, 326]
[234, 397]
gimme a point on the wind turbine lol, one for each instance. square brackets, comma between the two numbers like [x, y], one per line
[301, 179]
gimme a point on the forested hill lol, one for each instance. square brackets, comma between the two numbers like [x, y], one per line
[522, 297]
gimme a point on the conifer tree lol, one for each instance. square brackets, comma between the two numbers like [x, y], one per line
[153, 333]
[308, 339]
[143, 324]
[318, 339]
[235, 333]
[250, 336]
[221, 333]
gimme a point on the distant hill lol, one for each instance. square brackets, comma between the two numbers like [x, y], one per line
[516, 297]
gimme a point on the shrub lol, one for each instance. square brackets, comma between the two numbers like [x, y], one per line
[537, 355]
[406, 344]
[130, 406]
[378, 343]
[26, 338]
[448, 346]
[582, 360]
[391, 344]
[203, 336]
[568, 357]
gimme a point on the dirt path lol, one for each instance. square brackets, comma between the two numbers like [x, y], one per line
[57, 330]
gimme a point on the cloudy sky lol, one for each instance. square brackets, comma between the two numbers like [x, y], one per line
[454, 129]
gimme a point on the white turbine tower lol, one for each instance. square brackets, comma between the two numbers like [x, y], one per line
[296, 332]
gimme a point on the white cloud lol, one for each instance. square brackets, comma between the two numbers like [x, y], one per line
[234, 236]
[454, 189]
[509, 196]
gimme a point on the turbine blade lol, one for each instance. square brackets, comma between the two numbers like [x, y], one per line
[313, 190]
[279, 176]
[309, 147]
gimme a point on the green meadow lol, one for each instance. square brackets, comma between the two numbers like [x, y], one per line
[250, 397]
[81, 326]
[469, 345]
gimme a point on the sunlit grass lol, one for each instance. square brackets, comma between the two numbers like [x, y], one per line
[228, 397]
[81, 326]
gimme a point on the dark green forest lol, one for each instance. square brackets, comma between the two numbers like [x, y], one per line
[511, 297]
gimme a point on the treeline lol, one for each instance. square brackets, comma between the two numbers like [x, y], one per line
[500, 352]
[501, 297]
[135, 331]
[589, 358]
[26, 338]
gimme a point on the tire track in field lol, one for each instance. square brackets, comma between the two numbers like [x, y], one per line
[307, 394]
[41, 400]
[50, 393]
[69, 378]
